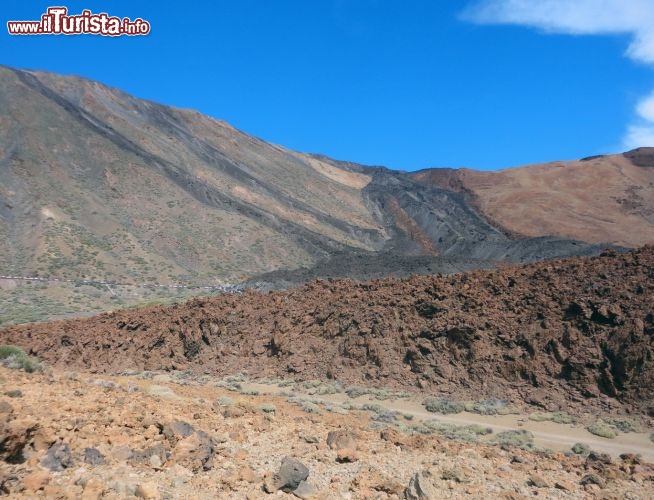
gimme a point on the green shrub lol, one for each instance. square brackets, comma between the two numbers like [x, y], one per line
[322, 388]
[10, 350]
[387, 417]
[230, 385]
[489, 407]
[309, 407]
[443, 406]
[624, 425]
[602, 429]
[581, 449]
[355, 392]
[268, 408]
[224, 401]
[467, 433]
[518, 438]
[559, 417]
[14, 357]
[336, 409]
[375, 408]
[379, 394]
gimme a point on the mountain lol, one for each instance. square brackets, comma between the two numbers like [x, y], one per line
[598, 199]
[96, 184]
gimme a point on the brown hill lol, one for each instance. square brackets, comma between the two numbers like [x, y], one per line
[599, 199]
[569, 333]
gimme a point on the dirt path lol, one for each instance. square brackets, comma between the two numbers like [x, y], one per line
[559, 437]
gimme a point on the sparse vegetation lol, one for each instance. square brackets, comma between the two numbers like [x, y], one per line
[443, 405]
[304, 404]
[224, 401]
[336, 409]
[602, 429]
[322, 388]
[375, 408]
[624, 425]
[559, 417]
[379, 394]
[467, 433]
[15, 358]
[268, 408]
[232, 382]
[309, 407]
[581, 449]
[490, 407]
[250, 392]
[387, 416]
[517, 438]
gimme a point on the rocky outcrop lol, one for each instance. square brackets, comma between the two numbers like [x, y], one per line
[553, 334]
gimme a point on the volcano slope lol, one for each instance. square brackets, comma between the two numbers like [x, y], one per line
[147, 193]
[568, 334]
[597, 199]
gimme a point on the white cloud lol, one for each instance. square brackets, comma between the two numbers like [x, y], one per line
[642, 132]
[645, 108]
[638, 136]
[586, 17]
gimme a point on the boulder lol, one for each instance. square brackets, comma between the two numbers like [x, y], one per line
[421, 487]
[289, 476]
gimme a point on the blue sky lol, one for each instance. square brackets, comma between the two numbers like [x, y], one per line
[408, 85]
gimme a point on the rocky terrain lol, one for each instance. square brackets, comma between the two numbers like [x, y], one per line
[529, 380]
[562, 334]
[148, 435]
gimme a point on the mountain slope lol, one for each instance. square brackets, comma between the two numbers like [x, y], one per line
[158, 191]
[600, 199]
[97, 184]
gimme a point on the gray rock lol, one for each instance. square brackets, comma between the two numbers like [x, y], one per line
[93, 457]
[145, 456]
[305, 491]
[195, 451]
[58, 457]
[291, 473]
[206, 450]
[421, 487]
[177, 430]
[592, 479]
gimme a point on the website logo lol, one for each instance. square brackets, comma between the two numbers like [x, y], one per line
[56, 21]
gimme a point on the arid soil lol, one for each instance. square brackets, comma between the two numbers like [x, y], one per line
[69, 435]
[570, 334]
[603, 199]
